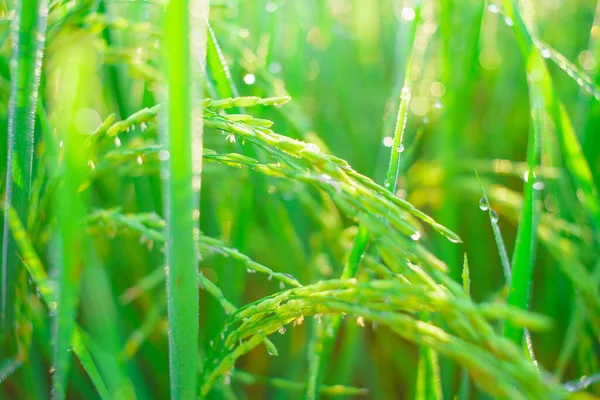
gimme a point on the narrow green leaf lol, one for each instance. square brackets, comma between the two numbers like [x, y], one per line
[181, 134]
[29, 29]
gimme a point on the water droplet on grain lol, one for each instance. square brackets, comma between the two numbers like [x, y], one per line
[415, 236]
[250, 271]
[508, 21]
[312, 148]
[405, 93]
[494, 216]
[545, 53]
[483, 204]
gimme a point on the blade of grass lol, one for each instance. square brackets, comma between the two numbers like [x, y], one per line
[185, 43]
[29, 30]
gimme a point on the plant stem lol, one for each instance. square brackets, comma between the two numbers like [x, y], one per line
[185, 30]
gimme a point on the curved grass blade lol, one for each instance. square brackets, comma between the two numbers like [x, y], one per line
[185, 44]
[29, 30]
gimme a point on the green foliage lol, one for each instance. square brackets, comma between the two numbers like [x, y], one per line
[338, 248]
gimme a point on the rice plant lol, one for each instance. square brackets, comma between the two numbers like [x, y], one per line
[283, 199]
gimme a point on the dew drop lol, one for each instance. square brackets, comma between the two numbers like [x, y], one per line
[545, 53]
[163, 155]
[405, 93]
[415, 236]
[139, 160]
[539, 185]
[494, 216]
[312, 148]
[438, 105]
[117, 142]
[250, 271]
[493, 9]
[388, 141]
[483, 204]
[400, 148]
[508, 21]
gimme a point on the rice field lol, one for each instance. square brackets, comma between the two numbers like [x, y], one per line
[281, 199]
